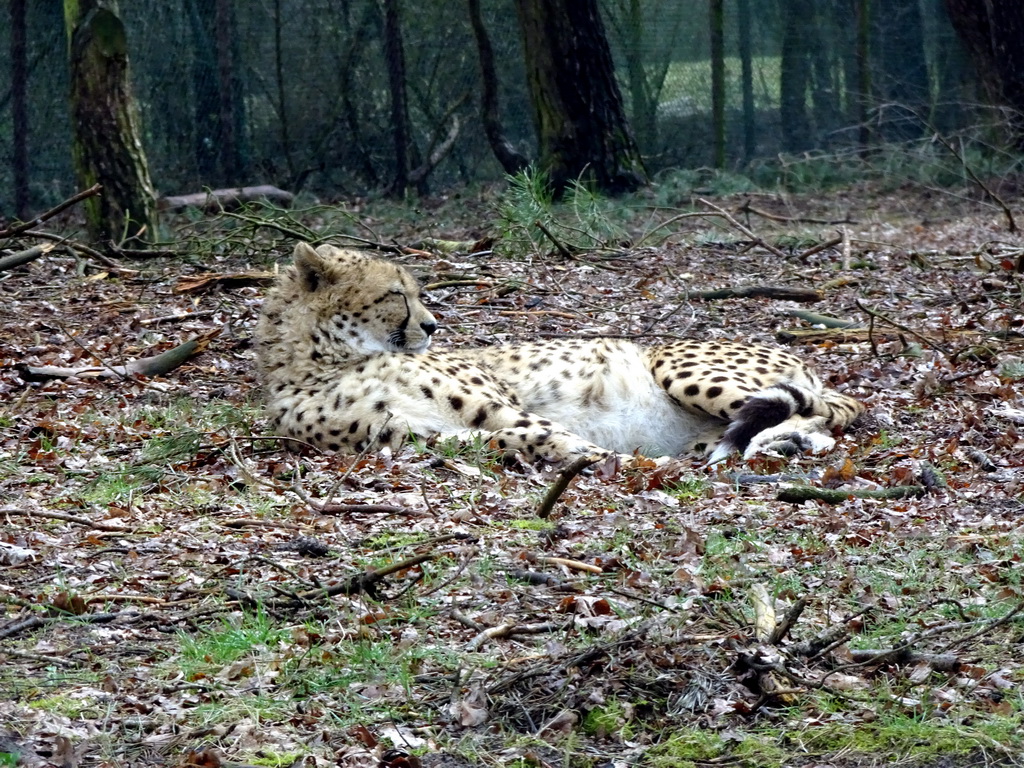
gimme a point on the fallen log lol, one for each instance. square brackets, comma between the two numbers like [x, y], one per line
[781, 292]
[156, 365]
[24, 257]
[798, 494]
[225, 199]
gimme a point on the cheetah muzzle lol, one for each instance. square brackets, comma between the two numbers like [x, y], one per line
[343, 344]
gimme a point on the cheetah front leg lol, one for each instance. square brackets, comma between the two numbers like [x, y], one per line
[509, 429]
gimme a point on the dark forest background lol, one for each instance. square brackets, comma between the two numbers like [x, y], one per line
[296, 93]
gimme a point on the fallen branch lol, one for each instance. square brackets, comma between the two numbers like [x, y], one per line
[573, 565]
[24, 257]
[508, 630]
[788, 621]
[820, 247]
[798, 494]
[920, 337]
[559, 246]
[942, 662]
[157, 365]
[97, 524]
[748, 208]
[746, 232]
[783, 293]
[344, 509]
[208, 280]
[23, 228]
[216, 200]
[34, 622]
[367, 581]
[561, 483]
[817, 319]
[81, 248]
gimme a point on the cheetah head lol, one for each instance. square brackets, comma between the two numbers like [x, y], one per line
[361, 303]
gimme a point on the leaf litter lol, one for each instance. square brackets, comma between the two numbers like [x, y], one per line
[180, 588]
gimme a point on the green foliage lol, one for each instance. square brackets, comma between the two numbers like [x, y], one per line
[531, 221]
[227, 642]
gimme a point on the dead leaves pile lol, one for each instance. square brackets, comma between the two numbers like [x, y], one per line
[138, 516]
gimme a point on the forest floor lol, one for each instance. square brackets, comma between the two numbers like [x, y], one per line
[166, 573]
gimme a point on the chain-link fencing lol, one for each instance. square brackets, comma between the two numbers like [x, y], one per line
[296, 92]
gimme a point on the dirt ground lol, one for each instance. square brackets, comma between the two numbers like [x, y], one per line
[175, 591]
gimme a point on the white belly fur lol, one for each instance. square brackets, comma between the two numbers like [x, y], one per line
[633, 411]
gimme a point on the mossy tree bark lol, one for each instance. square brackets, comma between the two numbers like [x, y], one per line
[107, 145]
[582, 130]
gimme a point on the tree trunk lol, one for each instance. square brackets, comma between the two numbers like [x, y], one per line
[107, 144]
[582, 130]
[864, 86]
[993, 33]
[747, 80]
[394, 55]
[219, 114]
[511, 160]
[717, 19]
[795, 76]
[904, 72]
[19, 108]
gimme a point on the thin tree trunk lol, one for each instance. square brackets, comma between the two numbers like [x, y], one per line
[993, 32]
[747, 80]
[582, 130]
[394, 55]
[229, 91]
[511, 160]
[864, 73]
[107, 144]
[282, 93]
[903, 80]
[19, 108]
[794, 76]
[717, 18]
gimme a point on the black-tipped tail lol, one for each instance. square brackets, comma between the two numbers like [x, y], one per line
[762, 411]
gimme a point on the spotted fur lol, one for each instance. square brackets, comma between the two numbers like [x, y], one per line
[343, 351]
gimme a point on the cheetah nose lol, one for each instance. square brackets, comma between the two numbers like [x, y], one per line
[429, 328]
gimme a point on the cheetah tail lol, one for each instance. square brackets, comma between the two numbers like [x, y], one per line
[763, 410]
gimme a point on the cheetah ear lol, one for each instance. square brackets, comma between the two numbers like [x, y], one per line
[312, 269]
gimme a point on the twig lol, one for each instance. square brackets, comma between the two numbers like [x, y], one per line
[735, 224]
[366, 581]
[92, 253]
[95, 189]
[574, 565]
[923, 339]
[561, 483]
[97, 524]
[748, 208]
[820, 247]
[565, 252]
[798, 494]
[1011, 224]
[788, 621]
[156, 365]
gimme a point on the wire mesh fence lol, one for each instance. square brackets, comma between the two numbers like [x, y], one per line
[296, 93]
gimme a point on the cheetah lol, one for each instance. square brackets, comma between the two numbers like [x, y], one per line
[343, 344]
